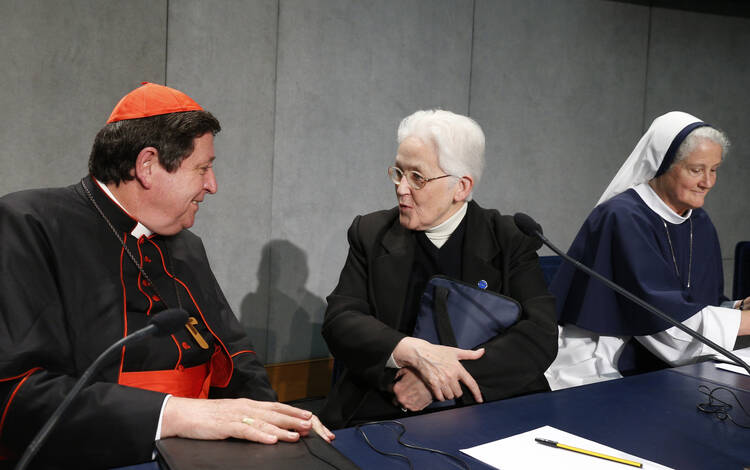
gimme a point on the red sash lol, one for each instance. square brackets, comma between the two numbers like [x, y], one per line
[191, 382]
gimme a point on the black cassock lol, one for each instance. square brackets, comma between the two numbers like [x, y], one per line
[68, 289]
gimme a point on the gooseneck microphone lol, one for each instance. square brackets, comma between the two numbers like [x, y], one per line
[529, 227]
[163, 323]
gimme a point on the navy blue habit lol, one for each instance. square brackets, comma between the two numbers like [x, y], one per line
[626, 241]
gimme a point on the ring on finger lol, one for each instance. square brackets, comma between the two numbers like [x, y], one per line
[247, 420]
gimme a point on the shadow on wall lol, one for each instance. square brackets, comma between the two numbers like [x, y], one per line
[295, 315]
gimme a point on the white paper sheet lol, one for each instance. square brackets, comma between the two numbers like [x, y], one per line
[522, 452]
[732, 368]
[743, 354]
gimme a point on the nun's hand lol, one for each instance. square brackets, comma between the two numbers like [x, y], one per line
[439, 367]
[411, 392]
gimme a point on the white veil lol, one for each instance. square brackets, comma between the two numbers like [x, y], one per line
[645, 160]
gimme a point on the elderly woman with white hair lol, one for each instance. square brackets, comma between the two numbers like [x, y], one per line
[649, 234]
[436, 229]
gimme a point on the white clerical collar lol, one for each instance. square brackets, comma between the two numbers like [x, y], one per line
[439, 234]
[140, 229]
[656, 204]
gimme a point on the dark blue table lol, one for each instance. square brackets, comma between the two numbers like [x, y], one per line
[653, 416]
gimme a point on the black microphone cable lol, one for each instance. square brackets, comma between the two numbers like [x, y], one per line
[721, 408]
[457, 461]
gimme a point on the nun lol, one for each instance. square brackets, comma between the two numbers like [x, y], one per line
[649, 234]
[436, 229]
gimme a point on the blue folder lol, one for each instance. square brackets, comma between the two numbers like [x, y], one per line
[456, 313]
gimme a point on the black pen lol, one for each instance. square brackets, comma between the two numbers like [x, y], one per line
[550, 443]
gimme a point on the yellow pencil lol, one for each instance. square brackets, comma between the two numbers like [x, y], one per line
[591, 453]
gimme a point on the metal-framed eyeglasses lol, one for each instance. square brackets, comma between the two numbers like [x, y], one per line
[414, 178]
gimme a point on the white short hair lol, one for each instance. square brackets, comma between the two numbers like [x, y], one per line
[458, 139]
[697, 136]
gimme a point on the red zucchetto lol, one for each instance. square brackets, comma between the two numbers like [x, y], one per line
[151, 99]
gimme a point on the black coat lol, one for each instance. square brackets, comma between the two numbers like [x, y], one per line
[366, 306]
[67, 291]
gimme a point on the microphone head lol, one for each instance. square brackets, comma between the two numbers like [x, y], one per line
[168, 321]
[527, 225]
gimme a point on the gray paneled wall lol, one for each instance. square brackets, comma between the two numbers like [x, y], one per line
[64, 66]
[558, 88]
[310, 92]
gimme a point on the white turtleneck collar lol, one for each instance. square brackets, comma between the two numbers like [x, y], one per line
[439, 234]
[656, 204]
[140, 229]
